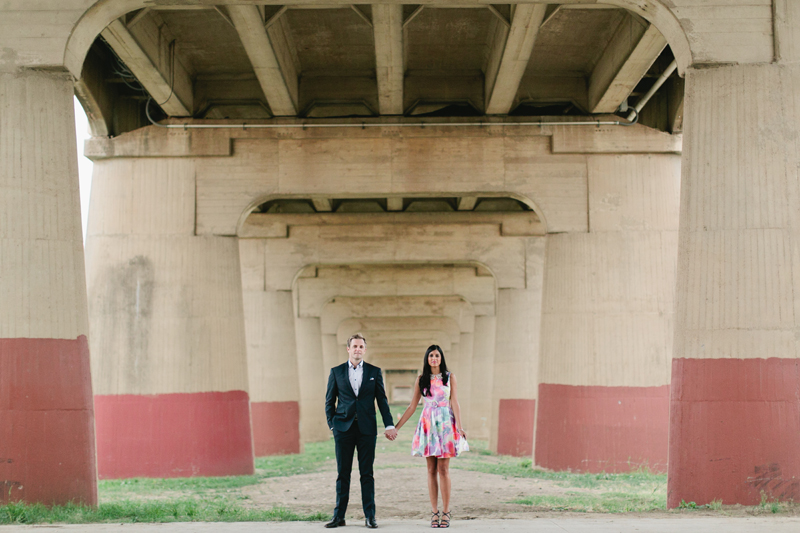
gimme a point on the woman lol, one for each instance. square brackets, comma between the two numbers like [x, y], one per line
[439, 434]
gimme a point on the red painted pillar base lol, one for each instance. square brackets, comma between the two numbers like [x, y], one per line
[734, 431]
[602, 429]
[276, 428]
[174, 435]
[47, 451]
[515, 427]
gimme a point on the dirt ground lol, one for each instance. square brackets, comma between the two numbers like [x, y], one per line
[401, 492]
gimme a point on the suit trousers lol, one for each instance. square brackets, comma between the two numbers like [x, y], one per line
[347, 442]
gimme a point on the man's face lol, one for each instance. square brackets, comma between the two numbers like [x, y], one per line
[356, 351]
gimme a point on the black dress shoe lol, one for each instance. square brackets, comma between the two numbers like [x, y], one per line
[371, 523]
[336, 522]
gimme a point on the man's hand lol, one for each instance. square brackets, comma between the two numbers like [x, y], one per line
[390, 434]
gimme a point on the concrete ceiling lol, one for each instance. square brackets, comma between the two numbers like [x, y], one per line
[251, 62]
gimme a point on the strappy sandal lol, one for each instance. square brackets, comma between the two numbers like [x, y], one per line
[435, 519]
[445, 522]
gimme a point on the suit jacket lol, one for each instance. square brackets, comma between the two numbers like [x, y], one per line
[342, 413]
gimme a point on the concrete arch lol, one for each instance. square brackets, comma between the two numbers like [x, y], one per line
[100, 14]
[531, 203]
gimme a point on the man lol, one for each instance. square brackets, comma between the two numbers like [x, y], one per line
[357, 386]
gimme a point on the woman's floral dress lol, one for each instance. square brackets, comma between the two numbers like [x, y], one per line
[436, 435]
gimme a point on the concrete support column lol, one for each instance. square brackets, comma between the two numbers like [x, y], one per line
[464, 376]
[480, 396]
[47, 442]
[734, 403]
[271, 357]
[272, 364]
[331, 353]
[313, 380]
[607, 322]
[168, 336]
[516, 359]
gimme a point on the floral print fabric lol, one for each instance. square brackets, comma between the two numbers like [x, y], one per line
[436, 435]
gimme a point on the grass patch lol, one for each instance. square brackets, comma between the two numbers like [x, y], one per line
[313, 459]
[182, 510]
[607, 502]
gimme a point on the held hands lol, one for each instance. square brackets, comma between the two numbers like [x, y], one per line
[390, 434]
[462, 432]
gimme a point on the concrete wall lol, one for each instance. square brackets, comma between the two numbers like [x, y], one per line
[607, 322]
[169, 358]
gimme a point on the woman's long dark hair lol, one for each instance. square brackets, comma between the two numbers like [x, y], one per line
[425, 378]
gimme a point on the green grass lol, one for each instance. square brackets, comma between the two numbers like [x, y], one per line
[179, 510]
[313, 459]
[220, 498]
[606, 502]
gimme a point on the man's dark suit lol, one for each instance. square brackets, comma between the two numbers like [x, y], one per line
[361, 435]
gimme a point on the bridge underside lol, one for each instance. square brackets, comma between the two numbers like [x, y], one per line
[270, 179]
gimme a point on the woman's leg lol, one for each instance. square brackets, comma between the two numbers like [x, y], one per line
[433, 483]
[444, 483]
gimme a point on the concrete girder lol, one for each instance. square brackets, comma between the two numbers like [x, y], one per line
[408, 341]
[509, 57]
[331, 282]
[335, 312]
[387, 25]
[626, 59]
[148, 50]
[101, 13]
[397, 323]
[269, 51]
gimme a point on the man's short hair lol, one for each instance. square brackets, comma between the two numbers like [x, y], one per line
[354, 337]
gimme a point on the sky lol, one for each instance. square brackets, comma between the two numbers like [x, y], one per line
[84, 165]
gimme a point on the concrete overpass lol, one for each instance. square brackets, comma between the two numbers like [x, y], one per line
[271, 176]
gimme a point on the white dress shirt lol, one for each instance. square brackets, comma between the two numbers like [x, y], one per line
[356, 375]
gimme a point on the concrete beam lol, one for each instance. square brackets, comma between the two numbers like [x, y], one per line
[626, 59]
[147, 49]
[467, 203]
[270, 53]
[322, 204]
[394, 203]
[387, 25]
[509, 57]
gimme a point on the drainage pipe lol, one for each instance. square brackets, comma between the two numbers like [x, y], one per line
[186, 126]
[656, 86]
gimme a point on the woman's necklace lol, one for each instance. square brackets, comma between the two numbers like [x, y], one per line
[436, 376]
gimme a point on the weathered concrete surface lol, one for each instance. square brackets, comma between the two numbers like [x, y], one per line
[169, 358]
[614, 524]
[607, 321]
[735, 373]
[46, 412]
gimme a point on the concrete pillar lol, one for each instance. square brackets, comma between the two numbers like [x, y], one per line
[313, 378]
[272, 364]
[463, 370]
[480, 397]
[46, 414]
[607, 322]
[734, 403]
[271, 357]
[332, 352]
[168, 339]
[516, 359]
